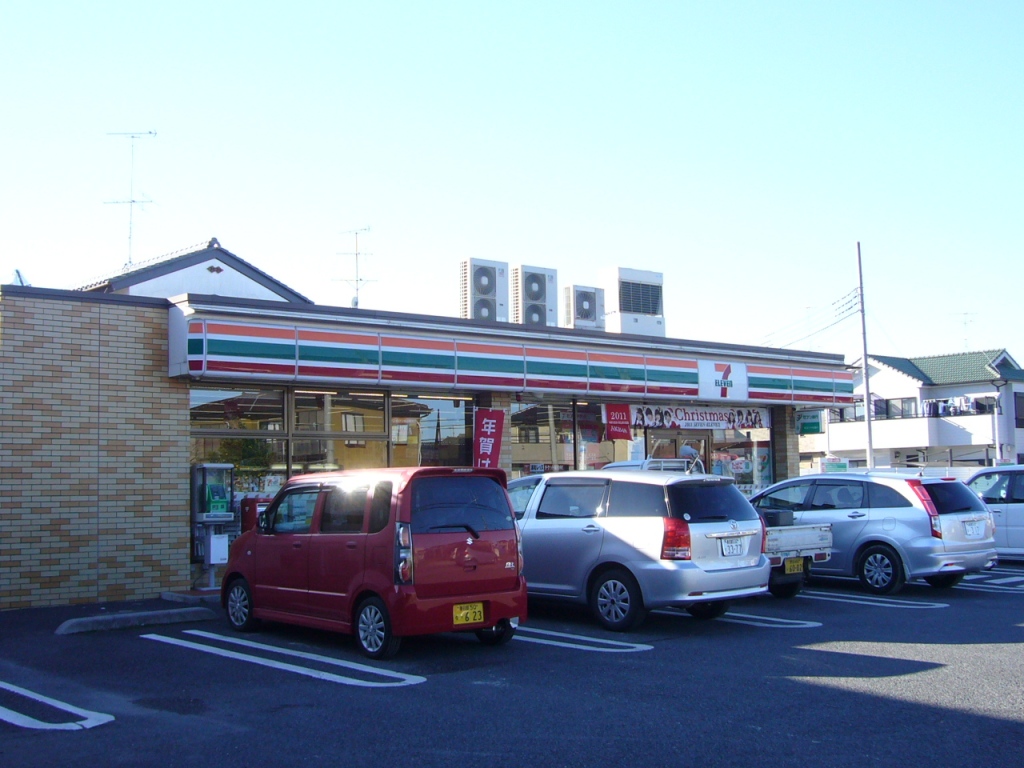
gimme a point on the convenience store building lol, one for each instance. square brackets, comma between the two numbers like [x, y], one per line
[112, 393]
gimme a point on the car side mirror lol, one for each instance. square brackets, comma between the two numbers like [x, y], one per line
[262, 522]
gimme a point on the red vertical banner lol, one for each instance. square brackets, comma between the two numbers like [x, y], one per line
[617, 424]
[488, 426]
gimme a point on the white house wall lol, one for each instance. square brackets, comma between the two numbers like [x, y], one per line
[199, 279]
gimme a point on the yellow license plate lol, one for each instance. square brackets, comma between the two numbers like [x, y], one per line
[468, 613]
[794, 565]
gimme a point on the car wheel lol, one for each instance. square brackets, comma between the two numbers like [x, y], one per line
[945, 580]
[373, 630]
[616, 601]
[786, 589]
[499, 634]
[880, 570]
[240, 606]
[705, 611]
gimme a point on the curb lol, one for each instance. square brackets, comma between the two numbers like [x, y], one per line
[137, 619]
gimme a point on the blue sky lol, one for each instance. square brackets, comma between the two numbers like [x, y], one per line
[740, 148]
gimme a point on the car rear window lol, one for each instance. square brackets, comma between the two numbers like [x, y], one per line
[454, 503]
[950, 497]
[699, 502]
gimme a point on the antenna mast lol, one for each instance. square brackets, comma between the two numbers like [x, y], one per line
[131, 201]
[357, 283]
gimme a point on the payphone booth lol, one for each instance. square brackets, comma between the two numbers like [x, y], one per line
[212, 509]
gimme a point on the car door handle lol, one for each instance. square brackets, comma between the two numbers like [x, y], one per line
[351, 545]
[857, 514]
[297, 544]
[590, 529]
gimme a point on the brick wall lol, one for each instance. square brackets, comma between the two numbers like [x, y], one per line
[94, 486]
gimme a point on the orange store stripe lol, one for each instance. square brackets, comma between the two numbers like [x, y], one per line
[490, 349]
[601, 357]
[251, 330]
[772, 371]
[407, 343]
[556, 354]
[664, 362]
[339, 338]
[811, 374]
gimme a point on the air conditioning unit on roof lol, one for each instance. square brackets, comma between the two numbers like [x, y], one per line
[534, 296]
[584, 307]
[484, 290]
[634, 302]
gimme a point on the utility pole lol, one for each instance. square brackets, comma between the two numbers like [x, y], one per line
[357, 283]
[864, 362]
[131, 201]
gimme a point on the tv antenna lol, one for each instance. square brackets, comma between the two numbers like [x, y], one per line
[131, 201]
[358, 282]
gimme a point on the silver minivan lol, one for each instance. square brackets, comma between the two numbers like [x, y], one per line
[889, 527]
[1002, 489]
[627, 541]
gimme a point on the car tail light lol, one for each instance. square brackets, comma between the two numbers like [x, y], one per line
[764, 537]
[675, 545]
[929, 506]
[519, 550]
[403, 554]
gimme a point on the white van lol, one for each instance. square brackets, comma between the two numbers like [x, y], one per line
[1002, 490]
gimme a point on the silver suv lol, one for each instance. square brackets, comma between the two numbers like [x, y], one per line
[888, 527]
[627, 541]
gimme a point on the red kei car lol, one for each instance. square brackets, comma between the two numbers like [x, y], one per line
[381, 554]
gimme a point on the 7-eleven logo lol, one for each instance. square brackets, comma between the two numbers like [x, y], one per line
[724, 371]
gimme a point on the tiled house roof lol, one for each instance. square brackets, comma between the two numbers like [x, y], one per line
[961, 368]
[163, 265]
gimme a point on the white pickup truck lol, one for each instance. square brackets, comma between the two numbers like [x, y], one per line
[791, 548]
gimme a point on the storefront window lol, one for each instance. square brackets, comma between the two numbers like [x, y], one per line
[336, 411]
[542, 437]
[250, 409]
[331, 455]
[593, 448]
[744, 456]
[431, 431]
[260, 465]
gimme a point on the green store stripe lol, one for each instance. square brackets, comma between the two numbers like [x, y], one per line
[195, 346]
[661, 376]
[756, 382]
[843, 387]
[252, 349]
[803, 385]
[490, 365]
[354, 355]
[618, 374]
[416, 360]
[536, 368]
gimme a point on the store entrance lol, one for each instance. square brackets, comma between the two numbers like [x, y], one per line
[680, 444]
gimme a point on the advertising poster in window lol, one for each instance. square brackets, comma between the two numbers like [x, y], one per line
[488, 425]
[618, 422]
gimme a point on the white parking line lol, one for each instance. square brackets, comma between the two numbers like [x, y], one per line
[1008, 580]
[89, 719]
[768, 621]
[611, 646]
[973, 576]
[398, 679]
[872, 600]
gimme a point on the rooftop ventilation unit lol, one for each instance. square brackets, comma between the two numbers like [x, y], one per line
[484, 290]
[634, 303]
[584, 307]
[534, 296]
